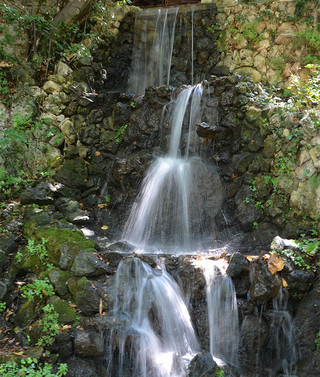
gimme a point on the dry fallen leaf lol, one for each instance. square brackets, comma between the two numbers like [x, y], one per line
[284, 283]
[66, 327]
[104, 227]
[102, 205]
[100, 306]
[275, 263]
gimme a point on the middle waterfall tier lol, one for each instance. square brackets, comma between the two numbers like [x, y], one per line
[180, 195]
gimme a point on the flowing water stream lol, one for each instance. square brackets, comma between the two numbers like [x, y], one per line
[174, 212]
[160, 339]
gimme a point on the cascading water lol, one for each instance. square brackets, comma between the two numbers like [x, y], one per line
[152, 53]
[282, 351]
[180, 196]
[159, 340]
[222, 313]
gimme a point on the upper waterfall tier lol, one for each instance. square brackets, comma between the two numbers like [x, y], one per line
[154, 35]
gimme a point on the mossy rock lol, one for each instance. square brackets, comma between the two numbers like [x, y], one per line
[85, 295]
[73, 173]
[67, 241]
[59, 279]
[67, 315]
[31, 263]
[26, 315]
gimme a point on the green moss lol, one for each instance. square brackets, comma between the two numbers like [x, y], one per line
[26, 315]
[57, 238]
[67, 315]
[59, 280]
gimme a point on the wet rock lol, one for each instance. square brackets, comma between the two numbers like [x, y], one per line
[95, 116]
[307, 323]
[85, 295]
[264, 285]
[112, 258]
[238, 270]
[89, 343]
[241, 162]
[88, 264]
[299, 280]
[120, 247]
[253, 336]
[212, 132]
[7, 246]
[3, 288]
[237, 265]
[202, 365]
[246, 211]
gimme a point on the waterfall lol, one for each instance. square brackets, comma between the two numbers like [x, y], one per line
[282, 351]
[160, 339]
[154, 33]
[222, 313]
[180, 195]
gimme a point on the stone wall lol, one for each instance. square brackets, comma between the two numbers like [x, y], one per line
[264, 40]
[267, 41]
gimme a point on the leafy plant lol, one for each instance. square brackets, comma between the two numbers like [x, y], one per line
[49, 326]
[39, 288]
[32, 368]
[120, 133]
[306, 93]
[3, 306]
[308, 247]
[219, 372]
[33, 249]
[10, 182]
[273, 180]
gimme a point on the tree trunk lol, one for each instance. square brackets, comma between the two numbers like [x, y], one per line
[75, 10]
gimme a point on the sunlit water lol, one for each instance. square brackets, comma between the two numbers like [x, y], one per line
[180, 195]
[160, 339]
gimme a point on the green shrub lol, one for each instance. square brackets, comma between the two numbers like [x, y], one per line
[31, 368]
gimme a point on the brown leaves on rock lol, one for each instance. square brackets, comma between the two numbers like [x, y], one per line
[275, 263]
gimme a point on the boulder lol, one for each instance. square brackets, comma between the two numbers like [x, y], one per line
[264, 285]
[202, 365]
[88, 264]
[89, 343]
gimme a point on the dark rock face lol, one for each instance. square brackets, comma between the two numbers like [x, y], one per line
[202, 365]
[307, 322]
[253, 337]
[264, 285]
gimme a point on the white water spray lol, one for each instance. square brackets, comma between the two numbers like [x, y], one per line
[222, 313]
[153, 45]
[180, 196]
[160, 340]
